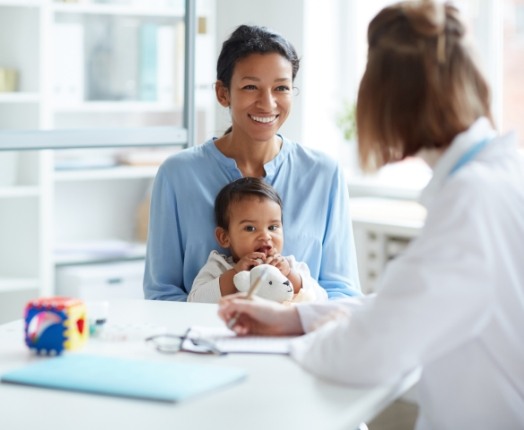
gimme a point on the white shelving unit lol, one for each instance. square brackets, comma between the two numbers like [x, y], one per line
[383, 228]
[82, 65]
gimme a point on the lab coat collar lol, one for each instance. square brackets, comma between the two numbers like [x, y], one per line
[480, 130]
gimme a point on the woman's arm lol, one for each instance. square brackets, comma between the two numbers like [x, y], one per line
[317, 221]
[310, 290]
[164, 263]
[339, 271]
[206, 286]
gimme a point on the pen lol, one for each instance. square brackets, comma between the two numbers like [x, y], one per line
[252, 290]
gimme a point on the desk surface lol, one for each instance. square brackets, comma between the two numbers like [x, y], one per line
[277, 393]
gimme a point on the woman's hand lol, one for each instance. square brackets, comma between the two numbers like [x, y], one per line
[259, 316]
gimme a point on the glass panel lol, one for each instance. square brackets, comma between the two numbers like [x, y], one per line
[119, 70]
[91, 64]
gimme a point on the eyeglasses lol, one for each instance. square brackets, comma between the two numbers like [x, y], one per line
[172, 343]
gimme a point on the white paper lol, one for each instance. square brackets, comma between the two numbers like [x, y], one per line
[226, 340]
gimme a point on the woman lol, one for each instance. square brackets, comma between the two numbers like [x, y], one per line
[248, 215]
[453, 302]
[255, 73]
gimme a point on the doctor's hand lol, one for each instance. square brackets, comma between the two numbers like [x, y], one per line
[259, 316]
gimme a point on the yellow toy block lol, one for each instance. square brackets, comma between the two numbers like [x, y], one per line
[55, 323]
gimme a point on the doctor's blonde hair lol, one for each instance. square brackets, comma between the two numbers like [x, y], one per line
[421, 86]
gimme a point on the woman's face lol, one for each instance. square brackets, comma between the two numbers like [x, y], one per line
[260, 96]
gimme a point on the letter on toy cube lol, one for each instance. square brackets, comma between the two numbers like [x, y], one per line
[54, 324]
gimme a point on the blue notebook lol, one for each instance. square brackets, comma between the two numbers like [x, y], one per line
[151, 380]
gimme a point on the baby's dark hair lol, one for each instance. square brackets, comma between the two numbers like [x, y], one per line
[238, 190]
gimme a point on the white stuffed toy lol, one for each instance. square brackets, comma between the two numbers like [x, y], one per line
[274, 286]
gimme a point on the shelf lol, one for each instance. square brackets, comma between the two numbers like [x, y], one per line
[116, 173]
[19, 191]
[118, 10]
[18, 284]
[166, 136]
[21, 3]
[116, 106]
[93, 259]
[89, 252]
[19, 97]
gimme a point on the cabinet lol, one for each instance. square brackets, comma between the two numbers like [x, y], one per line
[383, 228]
[105, 77]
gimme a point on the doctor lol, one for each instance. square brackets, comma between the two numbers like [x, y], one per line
[453, 302]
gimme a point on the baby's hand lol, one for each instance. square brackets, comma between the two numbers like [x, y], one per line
[248, 261]
[280, 262]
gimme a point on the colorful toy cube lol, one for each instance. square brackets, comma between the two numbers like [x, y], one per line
[55, 323]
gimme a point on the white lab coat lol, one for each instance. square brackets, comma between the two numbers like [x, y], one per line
[452, 303]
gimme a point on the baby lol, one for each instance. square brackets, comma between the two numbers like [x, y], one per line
[248, 216]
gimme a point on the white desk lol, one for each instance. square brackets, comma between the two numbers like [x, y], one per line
[277, 393]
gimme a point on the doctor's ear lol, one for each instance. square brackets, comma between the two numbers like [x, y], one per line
[222, 237]
[222, 93]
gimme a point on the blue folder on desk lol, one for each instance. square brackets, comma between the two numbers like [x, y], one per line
[151, 380]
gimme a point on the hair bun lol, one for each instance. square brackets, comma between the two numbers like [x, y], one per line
[427, 17]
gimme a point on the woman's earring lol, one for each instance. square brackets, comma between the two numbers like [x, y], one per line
[296, 91]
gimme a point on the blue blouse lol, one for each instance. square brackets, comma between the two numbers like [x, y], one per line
[317, 224]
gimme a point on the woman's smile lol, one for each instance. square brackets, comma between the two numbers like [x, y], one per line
[264, 119]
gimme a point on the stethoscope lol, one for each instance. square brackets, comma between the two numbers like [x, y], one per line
[469, 155]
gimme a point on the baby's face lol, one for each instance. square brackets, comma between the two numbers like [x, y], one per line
[255, 225]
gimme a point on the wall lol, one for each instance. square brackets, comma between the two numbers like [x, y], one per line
[324, 35]
[12, 304]
[327, 84]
